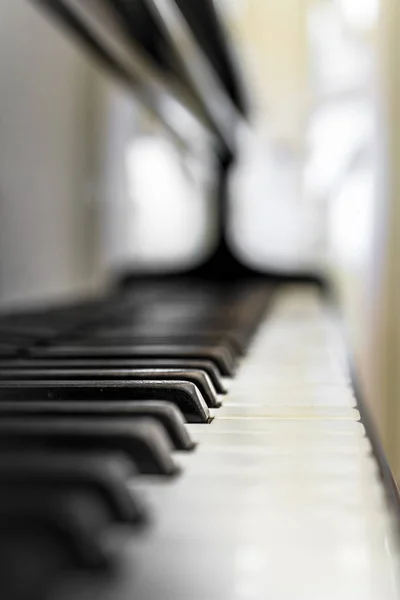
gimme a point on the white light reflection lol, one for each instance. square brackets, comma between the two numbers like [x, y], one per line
[360, 14]
[165, 202]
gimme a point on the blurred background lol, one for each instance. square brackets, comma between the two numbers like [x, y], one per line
[91, 185]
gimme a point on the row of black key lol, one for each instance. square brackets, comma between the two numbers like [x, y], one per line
[93, 396]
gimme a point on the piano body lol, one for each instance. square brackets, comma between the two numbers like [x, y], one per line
[190, 434]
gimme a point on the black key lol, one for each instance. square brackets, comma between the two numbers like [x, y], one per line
[121, 363]
[144, 441]
[199, 378]
[219, 355]
[104, 476]
[175, 331]
[182, 393]
[75, 522]
[8, 350]
[167, 414]
[26, 331]
[188, 338]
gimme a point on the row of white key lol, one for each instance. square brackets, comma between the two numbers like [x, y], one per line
[282, 498]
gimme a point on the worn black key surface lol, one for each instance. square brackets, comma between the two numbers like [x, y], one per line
[199, 378]
[119, 363]
[144, 441]
[182, 393]
[165, 413]
[104, 476]
[219, 355]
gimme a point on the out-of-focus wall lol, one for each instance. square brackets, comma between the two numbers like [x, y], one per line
[48, 220]
[363, 228]
[382, 320]
[272, 39]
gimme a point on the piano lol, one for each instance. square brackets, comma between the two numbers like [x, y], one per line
[194, 435]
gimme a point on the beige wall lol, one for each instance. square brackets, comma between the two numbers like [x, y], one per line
[274, 39]
[368, 282]
[383, 322]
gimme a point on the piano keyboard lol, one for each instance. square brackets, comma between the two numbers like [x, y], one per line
[121, 455]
